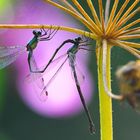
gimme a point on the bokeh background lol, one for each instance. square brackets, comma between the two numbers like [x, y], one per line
[23, 116]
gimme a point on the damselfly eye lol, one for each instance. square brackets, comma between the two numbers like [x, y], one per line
[38, 33]
[78, 39]
[34, 32]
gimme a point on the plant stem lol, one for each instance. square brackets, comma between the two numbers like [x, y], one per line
[39, 26]
[105, 101]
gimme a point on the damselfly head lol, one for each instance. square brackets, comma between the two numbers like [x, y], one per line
[129, 83]
[37, 33]
[78, 39]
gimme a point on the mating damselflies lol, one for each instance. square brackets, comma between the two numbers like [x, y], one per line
[71, 57]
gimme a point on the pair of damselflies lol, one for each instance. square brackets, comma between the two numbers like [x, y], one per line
[10, 54]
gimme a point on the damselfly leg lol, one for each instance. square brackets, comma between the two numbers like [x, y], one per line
[48, 34]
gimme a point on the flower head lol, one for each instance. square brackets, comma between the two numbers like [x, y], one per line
[109, 29]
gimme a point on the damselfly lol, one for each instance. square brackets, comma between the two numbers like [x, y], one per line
[9, 54]
[71, 57]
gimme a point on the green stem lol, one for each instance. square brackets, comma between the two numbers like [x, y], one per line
[45, 26]
[105, 101]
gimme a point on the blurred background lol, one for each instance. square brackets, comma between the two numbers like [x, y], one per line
[23, 115]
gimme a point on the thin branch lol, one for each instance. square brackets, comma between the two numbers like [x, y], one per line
[83, 20]
[130, 44]
[130, 31]
[38, 26]
[111, 27]
[120, 23]
[112, 13]
[71, 7]
[126, 27]
[126, 47]
[101, 11]
[82, 11]
[104, 71]
[124, 17]
[128, 11]
[133, 52]
[107, 8]
[137, 51]
[93, 11]
[126, 37]
[123, 21]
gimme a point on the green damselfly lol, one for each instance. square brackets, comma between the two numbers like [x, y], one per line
[71, 57]
[10, 54]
